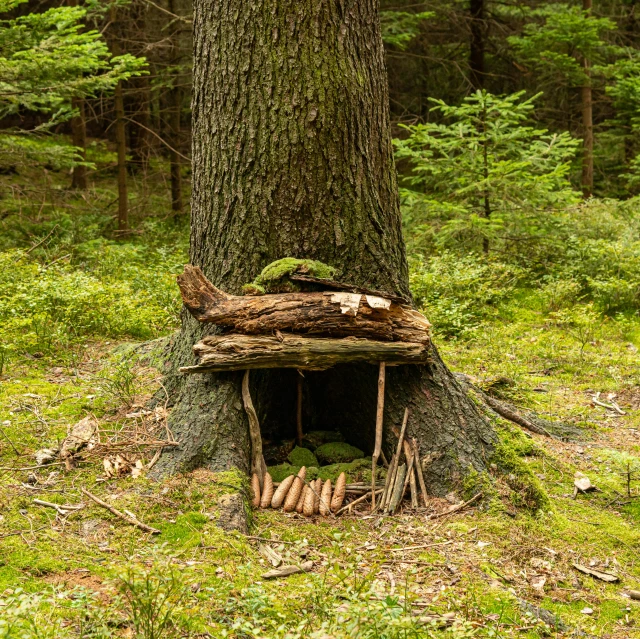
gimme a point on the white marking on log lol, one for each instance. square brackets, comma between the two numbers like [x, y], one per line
[349, 302]
[378, 302]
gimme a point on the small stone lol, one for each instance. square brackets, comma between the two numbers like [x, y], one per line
[587, 611]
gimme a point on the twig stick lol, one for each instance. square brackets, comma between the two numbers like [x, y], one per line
[423, 488]
[299, 410]
[398, 489]
[61, 510]
[387, 482]
[396, 459]
[455, 509]
[130, 519]
[258, 465]
[378, 443]
[357, 501]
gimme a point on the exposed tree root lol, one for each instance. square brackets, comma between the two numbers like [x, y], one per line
[530, 422]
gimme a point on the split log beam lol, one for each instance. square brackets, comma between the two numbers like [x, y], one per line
[326, 313]
[238, 352]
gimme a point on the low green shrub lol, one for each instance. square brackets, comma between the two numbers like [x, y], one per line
[457, 292]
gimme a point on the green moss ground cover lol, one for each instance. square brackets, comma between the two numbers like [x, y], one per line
[69, 333]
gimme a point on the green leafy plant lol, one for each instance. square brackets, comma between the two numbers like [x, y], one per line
[153, 597]
[483, 173]
[46, 60]
[559, 38]
[400, 27]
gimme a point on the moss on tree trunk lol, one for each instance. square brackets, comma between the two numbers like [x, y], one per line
[292, 156]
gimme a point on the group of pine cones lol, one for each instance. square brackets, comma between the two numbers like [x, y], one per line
[296, 494]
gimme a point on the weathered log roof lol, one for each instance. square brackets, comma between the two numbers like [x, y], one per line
[239, 352]
[322, 314]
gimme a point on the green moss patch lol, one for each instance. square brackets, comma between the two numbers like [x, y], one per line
[274, 276]
[338, 453]
[316, 438]
[302, 457]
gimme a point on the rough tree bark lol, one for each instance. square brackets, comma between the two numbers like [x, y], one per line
[292, 156]
[120, 133]
[477, 44]
[79, 139]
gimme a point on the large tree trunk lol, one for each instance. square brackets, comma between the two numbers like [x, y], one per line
[292, 156]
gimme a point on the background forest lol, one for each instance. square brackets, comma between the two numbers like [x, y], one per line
[517, 137]
[518, 146]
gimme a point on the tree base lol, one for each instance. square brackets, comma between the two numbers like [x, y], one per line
[208, 418]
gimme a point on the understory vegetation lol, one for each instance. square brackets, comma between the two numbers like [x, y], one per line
[544, 328]
[531, 283]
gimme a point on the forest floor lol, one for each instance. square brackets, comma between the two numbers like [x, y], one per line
[75, 309]
[490, 567]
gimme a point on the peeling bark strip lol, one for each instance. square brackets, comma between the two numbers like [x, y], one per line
[330, 313]
[235, 352]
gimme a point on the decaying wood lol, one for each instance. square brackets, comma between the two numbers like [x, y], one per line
[81, 434]
[357, 501]
[460, 506]
[393, 468]
[285, 571]
[270, 555]
[238, 352]
[352, 288]
[598, 574]
[322, 313]
[129, 518]
[423, 487]
[378, 441]
[258, 465]
[255, 489]
[398, 489]
[63, 510]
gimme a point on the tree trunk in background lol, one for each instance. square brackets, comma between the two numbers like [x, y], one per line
[587, 123]
[121, 136]
[175, 109]
[79, 140]
[477, 44]
[292, 156]
[138, 108]
[121, 149]
[174, 158]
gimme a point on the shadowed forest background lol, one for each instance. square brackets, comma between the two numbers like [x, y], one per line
[516, 131]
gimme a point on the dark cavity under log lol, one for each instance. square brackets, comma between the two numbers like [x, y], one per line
[326, 313]
[237, 352]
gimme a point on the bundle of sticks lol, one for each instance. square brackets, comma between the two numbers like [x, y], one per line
[401, 476]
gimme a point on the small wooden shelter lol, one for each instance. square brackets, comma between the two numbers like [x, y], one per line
[315, 330]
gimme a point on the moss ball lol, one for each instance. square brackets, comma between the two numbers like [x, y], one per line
[338, 453]
[302, 457]
[316, 438]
